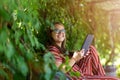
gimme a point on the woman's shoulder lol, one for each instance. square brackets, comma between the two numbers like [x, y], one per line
[53, 48]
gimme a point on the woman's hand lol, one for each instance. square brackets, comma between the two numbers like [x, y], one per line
[78, 55]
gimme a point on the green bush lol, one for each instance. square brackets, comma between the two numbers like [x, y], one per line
[22, 36]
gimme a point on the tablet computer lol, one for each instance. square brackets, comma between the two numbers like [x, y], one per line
[87, 42]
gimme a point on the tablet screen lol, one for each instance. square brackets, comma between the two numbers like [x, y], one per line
[87, 42]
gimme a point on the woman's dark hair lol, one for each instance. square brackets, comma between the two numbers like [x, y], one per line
[51, 40]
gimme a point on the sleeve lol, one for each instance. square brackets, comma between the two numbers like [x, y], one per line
[55, 51]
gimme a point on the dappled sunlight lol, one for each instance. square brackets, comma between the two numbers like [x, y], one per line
[104, 16]
[23, 38]
[117, 61]
[105, 19]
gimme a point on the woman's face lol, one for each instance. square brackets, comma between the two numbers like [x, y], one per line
[58, 34]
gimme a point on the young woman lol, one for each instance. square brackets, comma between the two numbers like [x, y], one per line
[88, 65]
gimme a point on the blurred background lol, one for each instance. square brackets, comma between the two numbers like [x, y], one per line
[23, 23]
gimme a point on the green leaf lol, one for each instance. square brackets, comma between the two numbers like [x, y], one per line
[4, 74]
[10, 51]
[48, 68]
[22, 66]
[3, 35]
[4, 14]
[1, 48]
[75, 74]
[29, 55]
[17, 36]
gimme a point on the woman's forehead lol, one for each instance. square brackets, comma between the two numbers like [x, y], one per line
[58, 26]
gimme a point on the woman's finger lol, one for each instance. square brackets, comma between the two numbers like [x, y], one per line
[82, 52]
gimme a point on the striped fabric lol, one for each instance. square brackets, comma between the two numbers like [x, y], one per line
[90, 65]
[87, 66]
[57, 54]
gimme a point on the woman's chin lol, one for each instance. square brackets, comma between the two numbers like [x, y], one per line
[60, 40]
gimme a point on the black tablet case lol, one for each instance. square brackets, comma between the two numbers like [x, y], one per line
[87, 42]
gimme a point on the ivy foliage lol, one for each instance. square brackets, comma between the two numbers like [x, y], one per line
[18, 41]
[22, 36]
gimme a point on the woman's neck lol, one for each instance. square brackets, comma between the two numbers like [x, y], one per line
[59, 44]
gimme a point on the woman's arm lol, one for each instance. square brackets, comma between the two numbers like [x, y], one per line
[76, 57]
